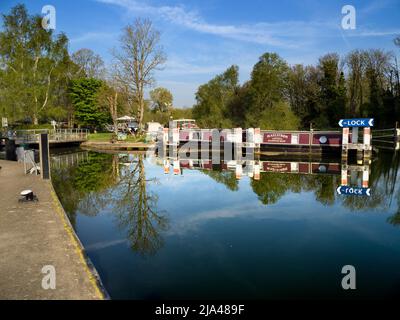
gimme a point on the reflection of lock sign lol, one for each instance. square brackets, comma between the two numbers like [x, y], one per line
[323, 139]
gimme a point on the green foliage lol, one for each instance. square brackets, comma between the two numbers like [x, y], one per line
[227, 178]
[182, 113]
[268, 82]
[278, 117]
[214, 98]
[35, 69]
[33, 126]
[162, 99]
[281, 97]
[95, 174]
[223, 103]
[84, 97]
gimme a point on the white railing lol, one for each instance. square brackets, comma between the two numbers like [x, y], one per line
[58, 135]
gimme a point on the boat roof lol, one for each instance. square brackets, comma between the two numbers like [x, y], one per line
[187, 120]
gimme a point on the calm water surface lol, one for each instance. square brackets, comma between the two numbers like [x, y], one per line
[205, 234]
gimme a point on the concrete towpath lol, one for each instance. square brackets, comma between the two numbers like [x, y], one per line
[38, 234]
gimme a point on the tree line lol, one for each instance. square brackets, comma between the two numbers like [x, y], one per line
[364, 83]
[40, 81]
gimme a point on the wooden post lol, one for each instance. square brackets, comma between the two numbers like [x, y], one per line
[344, 181]
[177, 167]
[239, 170]
[367, 142]
[365, 177]
[166, 166]
[215, 147]
[354, 135]
[345, 142]
[257, 139]
[237, 153]
[257, 171]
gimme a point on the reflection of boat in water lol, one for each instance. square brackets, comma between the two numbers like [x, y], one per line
[253, 168]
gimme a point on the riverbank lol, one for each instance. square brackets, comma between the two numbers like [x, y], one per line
[118, 145]
[38, 234]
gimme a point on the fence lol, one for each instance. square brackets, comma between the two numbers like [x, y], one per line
[58, 135]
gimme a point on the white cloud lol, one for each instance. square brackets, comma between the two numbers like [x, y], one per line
[284, 34]
[93, 36]
[274, 34]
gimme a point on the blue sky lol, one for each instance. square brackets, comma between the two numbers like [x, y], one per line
[203, 38]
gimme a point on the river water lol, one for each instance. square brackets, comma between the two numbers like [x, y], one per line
[204, 234]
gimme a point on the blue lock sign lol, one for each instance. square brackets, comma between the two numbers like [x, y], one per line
[354, 191]
[350, 123]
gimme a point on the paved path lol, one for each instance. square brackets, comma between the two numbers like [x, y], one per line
[33, 235]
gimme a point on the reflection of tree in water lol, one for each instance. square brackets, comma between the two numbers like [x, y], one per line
[135, 209]
[382, 181]
[227, 178]
[80, 187]
[324, 187]
[98, 182]
[383, 177]
[272, 186]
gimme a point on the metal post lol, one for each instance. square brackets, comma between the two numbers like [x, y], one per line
[44, 156]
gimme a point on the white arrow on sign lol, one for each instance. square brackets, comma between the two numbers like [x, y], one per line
[338, 190]
[341, 123]
[371, 122]
[368, 192]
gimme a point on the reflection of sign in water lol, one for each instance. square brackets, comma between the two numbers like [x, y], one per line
[277, 167]
[354, 191]
[364, 122]
[277, 138]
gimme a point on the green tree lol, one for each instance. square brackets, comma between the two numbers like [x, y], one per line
[214, 98]
[268, 84]
[278, 117]
[162, 99]
[33, 62]
[330, 108]
[84, 98]
[378, 66]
